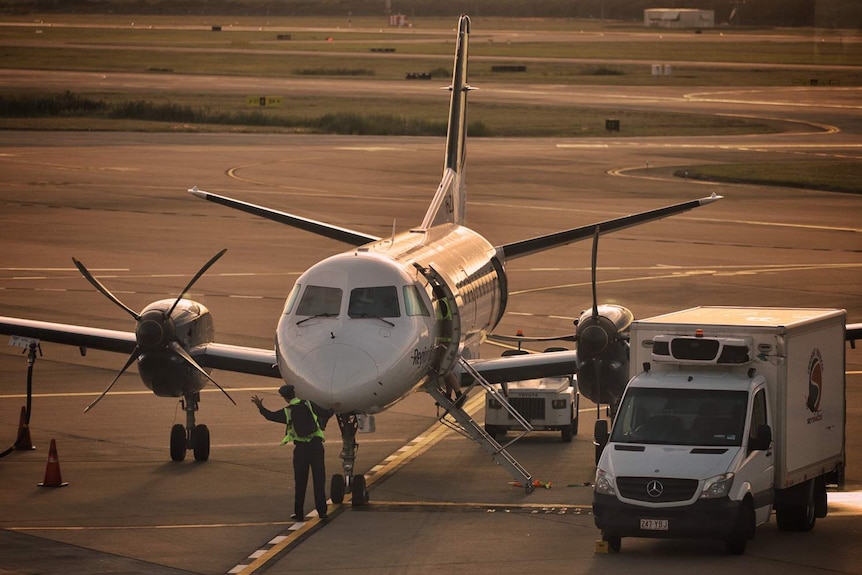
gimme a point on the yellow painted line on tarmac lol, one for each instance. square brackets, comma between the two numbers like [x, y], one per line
[146, 527]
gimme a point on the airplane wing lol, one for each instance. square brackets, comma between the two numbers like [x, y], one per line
[77, 335]
[252, 361]
[320, 228]
[526, 366]
[522, 338]
[540, 243]
[256, 361]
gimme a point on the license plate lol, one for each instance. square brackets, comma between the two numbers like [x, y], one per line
[654, 524]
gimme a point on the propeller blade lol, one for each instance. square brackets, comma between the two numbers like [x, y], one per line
[189, 360]
[129, 362]
[198, 275]
[98, 285]
[598, 365]
[595, 260]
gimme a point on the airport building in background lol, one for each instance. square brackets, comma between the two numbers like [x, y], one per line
[679, 18]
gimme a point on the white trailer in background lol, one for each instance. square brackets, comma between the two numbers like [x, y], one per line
[548, 404]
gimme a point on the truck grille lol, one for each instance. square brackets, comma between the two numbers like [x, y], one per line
[530, 408]
[656, 489]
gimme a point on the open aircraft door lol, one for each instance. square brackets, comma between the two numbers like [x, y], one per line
[448, 326]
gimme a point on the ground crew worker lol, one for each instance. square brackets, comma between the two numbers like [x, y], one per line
[308, 452]
[444, 339]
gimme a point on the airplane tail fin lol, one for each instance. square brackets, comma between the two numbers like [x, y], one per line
[449, 201]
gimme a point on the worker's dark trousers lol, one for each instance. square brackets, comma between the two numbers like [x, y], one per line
[309, 454]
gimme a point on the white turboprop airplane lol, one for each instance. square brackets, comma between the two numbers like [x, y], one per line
[359, 330]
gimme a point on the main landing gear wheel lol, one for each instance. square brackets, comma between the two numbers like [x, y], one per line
[359, 491]
[178, 442]
[336, 489]
[201, 442]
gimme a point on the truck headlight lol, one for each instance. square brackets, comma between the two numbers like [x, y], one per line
[718, 486]
[494, 404]
[604, 483]
[558, 404]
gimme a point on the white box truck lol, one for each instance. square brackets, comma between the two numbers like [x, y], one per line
[730, 413]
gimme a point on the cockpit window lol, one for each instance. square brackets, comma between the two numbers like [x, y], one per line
[413, 302]
[291, 299]
[373, 302]
[320, 301]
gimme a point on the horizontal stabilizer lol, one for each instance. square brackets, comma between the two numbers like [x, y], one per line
[320, 228]
[546, 242]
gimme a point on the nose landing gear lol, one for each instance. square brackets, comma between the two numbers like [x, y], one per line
[340, 484]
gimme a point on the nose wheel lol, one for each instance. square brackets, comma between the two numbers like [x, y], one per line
[355, 484]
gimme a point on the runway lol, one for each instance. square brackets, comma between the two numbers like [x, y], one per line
[117, 202]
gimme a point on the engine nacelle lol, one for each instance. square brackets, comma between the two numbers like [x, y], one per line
[161, 369]
[603, 353]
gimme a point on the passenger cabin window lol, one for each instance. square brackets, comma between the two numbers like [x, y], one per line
[373, 302]
[320, 301]
[413, 302]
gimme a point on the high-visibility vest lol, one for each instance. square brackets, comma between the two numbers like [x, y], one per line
[444, 317]
[290, 435]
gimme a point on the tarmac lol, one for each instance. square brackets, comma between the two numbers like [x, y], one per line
[117, 202]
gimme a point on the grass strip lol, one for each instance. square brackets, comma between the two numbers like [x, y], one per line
[827, 175]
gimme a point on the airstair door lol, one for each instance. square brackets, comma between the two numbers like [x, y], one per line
[448, 320]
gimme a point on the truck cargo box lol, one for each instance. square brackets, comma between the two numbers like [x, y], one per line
[800, 352]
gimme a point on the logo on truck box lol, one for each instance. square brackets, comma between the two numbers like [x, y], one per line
[815, 383]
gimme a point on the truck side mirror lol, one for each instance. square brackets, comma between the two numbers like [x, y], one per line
[600, 437]
[600, 432]
[763, 439]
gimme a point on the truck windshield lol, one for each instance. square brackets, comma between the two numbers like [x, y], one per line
[681, 417]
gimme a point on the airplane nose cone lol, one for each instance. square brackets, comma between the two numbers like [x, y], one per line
[340, 370]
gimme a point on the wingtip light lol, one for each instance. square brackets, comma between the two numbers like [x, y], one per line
[196, 192]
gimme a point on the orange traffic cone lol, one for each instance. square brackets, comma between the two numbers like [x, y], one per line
[52, 471]
[23, 441]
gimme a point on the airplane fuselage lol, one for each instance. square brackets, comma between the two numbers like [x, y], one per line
[359, 330]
